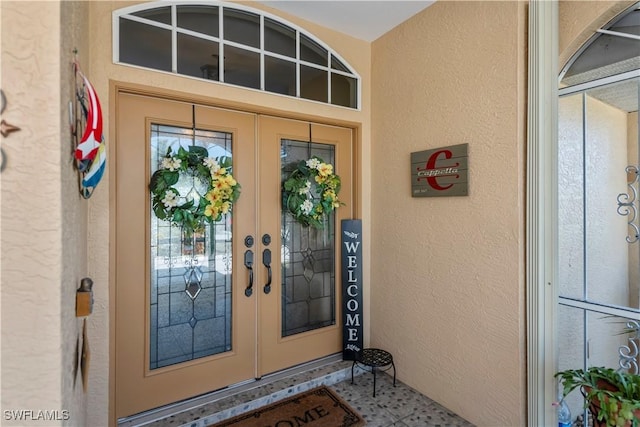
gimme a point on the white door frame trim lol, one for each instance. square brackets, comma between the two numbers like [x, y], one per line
[541, 221]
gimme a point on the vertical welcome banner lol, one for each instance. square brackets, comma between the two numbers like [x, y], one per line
[352, 339]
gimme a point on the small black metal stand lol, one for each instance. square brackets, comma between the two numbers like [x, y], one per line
[375, 358]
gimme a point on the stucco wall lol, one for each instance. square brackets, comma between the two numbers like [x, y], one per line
[101, 230]
[43, 217]
[447, 273]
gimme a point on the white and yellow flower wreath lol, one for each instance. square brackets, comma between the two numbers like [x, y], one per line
[310, 192]
[222, 188]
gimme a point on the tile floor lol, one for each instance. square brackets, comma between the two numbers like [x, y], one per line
[399, 406]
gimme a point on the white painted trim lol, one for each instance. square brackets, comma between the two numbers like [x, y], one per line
[598, 83]
[541, 275]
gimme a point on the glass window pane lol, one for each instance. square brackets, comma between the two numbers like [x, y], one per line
[279, 76]
[145, 45]
[191, 282]
[313, 84]
[336, 64]
[241, 67]
[279, 38]
[571, 353]
[197, 57]
[607, 147]
[344, 90]
[570, 197]
[311, 51]
[242, 27]
[159, 14]
[203, 19]
[629, 24]
[606, 56]
[308, 254]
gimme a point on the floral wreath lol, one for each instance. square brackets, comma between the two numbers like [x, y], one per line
[311, 191]
[222, 188]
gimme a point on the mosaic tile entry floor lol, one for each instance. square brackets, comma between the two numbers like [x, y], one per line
[399, 406]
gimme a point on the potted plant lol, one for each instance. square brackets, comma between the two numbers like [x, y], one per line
[613, 397]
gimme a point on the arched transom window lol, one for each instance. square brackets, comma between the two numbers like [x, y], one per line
[236, 45]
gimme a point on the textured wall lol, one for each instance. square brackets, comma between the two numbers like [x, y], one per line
[74, 30]
[447, 273]
[31, 209]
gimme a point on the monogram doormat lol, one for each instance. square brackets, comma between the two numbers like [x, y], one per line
[319, 407]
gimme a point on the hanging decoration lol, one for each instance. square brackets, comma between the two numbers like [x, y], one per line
[5, 128]
[191, 211]
[90, 153]
[310, 192]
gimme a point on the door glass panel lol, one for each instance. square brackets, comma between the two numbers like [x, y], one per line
[610, 146]
[190, 285]
[154, 52]
[308, 254]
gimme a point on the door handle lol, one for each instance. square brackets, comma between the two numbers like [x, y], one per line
[266, 260]
[248, 262]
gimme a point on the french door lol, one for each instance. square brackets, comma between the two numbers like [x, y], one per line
[249, 295]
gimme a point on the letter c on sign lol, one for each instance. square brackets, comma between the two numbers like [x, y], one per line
[431, 164]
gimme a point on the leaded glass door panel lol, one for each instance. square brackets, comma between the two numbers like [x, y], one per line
[183, 323]
[299, 316]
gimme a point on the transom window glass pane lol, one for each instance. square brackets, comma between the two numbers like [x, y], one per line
[154, 53]
[197, 57]
[279, 76]
[336, 64]
[313, 83]
[159, 14]
[308, 254]
[242, 27]
[241, 67]
[252, 50]
[344, 90]
[203, 19]
[311, 51]
[279, 38]
[191, 283]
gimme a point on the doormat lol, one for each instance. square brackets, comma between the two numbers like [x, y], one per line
[319, 407]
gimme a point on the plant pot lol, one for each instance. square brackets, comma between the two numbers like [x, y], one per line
[594, 404]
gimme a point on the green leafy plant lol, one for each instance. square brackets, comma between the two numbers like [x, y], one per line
[188, 211]
[613, 397]
[311, 191]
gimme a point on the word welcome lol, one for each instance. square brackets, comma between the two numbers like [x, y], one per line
[352, 288]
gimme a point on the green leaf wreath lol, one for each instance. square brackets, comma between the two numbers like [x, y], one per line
[222, 188]
[311, 191]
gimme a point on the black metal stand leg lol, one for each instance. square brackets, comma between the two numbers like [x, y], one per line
[374, 381]
[352, 366]
[394, 373]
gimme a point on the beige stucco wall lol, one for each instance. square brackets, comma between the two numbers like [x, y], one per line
[447, 275]
[44, 222]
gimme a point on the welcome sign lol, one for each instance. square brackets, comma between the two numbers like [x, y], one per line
[440, 172]
[352, 339]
